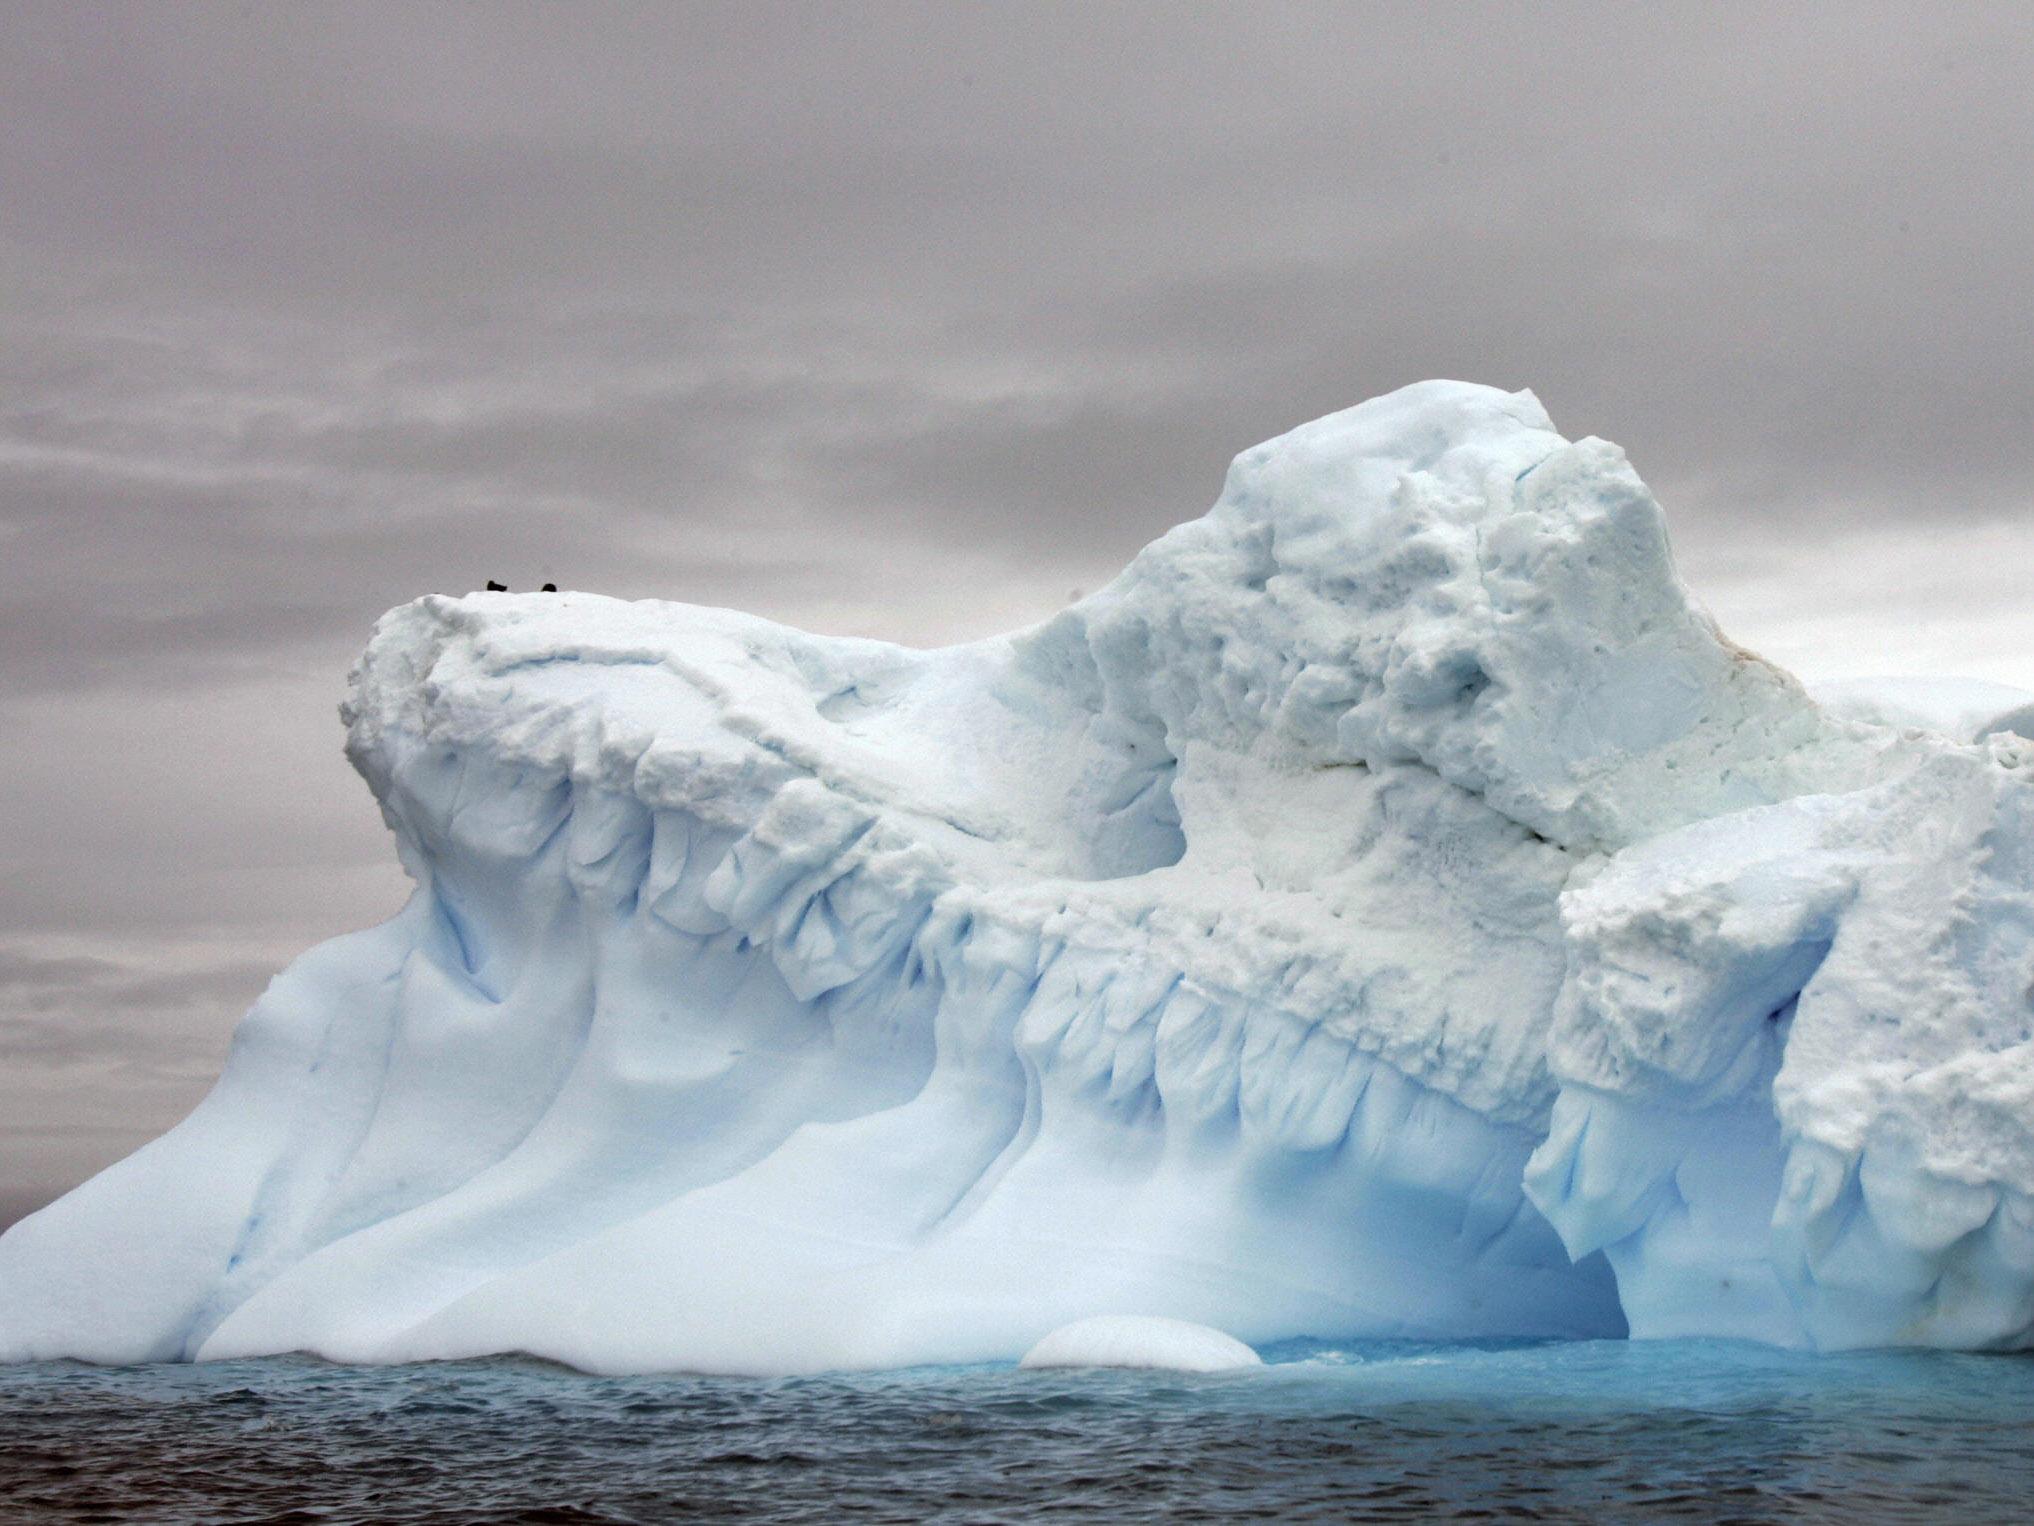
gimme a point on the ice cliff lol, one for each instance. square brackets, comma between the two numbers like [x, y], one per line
[1391, 906]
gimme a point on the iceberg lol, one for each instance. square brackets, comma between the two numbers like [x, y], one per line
[1390, 907]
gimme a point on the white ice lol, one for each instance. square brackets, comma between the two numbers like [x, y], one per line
[1137, 1340]
[1389, 893]
[1962, 709]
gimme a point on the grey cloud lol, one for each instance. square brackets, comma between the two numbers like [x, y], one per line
[97, 1054]
[900, 320]
[75, 1008]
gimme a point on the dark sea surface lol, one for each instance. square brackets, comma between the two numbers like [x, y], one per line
[1598, 1431]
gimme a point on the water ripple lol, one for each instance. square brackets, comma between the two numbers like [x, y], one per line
[1689, 1431]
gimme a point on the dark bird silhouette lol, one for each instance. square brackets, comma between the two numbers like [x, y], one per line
[550, 588]
[494, 587]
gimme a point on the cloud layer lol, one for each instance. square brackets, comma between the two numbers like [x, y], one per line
[893, 320]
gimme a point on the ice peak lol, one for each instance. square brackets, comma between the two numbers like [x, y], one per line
[1437, 577]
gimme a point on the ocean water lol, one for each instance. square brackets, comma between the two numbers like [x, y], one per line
[1596, 1431]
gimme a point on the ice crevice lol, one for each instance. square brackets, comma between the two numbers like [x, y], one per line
[1390, 907]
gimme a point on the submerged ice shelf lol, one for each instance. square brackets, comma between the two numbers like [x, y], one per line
[1390, 907]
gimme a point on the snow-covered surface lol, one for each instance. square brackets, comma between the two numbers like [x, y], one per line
[1389, 892]
[1139, 1340]
[1962, 709]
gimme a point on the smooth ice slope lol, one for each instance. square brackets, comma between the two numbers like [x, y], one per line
[1387, 893]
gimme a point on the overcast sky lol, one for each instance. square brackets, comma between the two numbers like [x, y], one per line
[897, 321]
